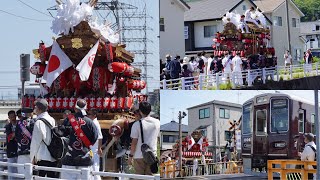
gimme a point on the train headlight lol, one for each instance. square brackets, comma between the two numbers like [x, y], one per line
[280, 145]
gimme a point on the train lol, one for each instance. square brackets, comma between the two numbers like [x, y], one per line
[273, 126]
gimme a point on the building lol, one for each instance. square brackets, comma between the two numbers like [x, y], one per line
[169, 134]
[310, 32]
[171, 26]
[204, 19]
[213, 119]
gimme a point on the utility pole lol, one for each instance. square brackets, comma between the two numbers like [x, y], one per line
[316, 102]
[288, 26]
[180, 117]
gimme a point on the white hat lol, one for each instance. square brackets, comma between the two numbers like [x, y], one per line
[185, 60]
[168, 55]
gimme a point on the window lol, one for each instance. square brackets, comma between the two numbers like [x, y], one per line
[279, 115]
[247, 119]
[294, 22]
[244, 7]
[313, 127]
[204, 113]
[170, 138]
[186, 32]
[161, 22]
[224, 113]
[301, 121]
[317, 27]
[277, 21]
[261, 122]
[311, 44]
[209, 31]
[228, 135]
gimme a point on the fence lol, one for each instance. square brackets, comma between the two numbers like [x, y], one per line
[169, 170]
[288, 169]
[85, 173]
[238, 79]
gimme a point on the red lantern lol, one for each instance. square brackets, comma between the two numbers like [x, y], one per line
[59, 103]
[72, 102]
[121, 102]
[92, 103]
[106, 103]
[129, 102]
[65, 103]
[52, 103]
[117, 67]
[129, 71]
[114, 103]
[99, 103]
[136, 84]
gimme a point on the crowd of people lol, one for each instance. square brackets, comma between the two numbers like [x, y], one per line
[202, 64]
[28, 139]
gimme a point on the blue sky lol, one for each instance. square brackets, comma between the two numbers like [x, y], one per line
[181, 100]
[18, 35]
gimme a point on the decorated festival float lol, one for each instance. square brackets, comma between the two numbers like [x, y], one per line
[248, 35]
[193, 145]
[87, 61]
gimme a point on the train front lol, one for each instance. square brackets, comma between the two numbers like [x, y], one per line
[264, 129]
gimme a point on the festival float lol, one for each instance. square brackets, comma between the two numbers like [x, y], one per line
[249, 39]
[87, 61]
[193, 146]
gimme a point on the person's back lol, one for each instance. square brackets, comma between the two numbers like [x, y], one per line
[41, 137]
[151, 130]
[175, 69]
[79, 154]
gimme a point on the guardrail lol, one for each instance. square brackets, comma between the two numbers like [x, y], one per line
[85, 173]
[169, 170]
[239, 79]
[288, 168]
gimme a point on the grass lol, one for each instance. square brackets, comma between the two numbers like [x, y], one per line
[226, 86]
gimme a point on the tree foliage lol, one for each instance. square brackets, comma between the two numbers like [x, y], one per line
[311, 9]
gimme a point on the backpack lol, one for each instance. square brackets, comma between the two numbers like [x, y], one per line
[147, 153]
[58, 146]
[315, 156]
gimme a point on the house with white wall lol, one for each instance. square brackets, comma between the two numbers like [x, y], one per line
[310, 32]
[213, 119]
[204, 19]
[172, 27]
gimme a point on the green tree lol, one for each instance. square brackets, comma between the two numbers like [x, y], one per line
[311, 9]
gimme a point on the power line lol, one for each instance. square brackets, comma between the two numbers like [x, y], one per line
[22, 16]
[34, 8]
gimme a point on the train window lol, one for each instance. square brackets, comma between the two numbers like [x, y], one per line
[247, 119]
[261, 122]
[279, 115]
[301, 121]
[313, 127]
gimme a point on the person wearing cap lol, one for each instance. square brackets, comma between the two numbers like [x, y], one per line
[41, 135]
[96, 148]
[24, 136]
[151, 130]
[309, 152]
[79, 153]
[11, 142]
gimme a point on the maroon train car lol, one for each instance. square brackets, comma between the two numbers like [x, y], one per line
[272, 128]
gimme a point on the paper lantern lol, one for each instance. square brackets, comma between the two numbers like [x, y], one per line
[136, 84]
[117, 67]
